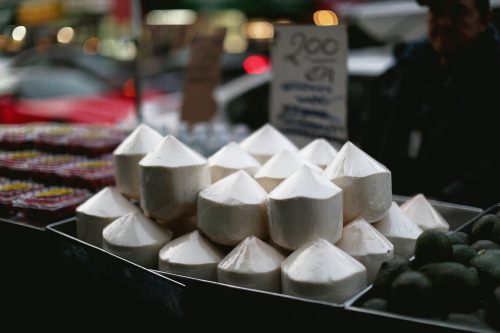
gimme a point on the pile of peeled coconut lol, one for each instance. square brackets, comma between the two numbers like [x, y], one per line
[314, 222]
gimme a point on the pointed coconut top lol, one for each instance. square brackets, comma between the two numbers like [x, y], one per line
[233, 156]
[283, 164]
[321, 261]
[353, 162]
[267, 140]
[108, 202]
[237, 188]
[397, 224]
[135, 229]
[141, 141]
[192, 248]
[360, 238]
[252, 255]
[305, 183]
[421, 212]
[319, 152]
[171, 152]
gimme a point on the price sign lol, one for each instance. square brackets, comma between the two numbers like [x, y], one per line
[309, 87]
[202, 76]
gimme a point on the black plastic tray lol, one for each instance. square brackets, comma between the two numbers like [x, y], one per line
[125, 279]
[188, 299]
[216, 304]
[355, 303]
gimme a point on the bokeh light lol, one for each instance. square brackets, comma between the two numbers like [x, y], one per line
[171, 17]
[65, 35]
[92, 45]
[257, 64]
[18, 33]
[325, 17]
[235, 43]
[258, 29]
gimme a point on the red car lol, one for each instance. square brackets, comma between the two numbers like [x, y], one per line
[65, 94]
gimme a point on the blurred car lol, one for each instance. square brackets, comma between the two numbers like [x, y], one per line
[67, 93]
[115, 71]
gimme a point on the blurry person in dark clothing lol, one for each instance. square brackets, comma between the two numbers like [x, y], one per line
[433, 119]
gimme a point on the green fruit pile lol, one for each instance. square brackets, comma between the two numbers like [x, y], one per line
[452, 277]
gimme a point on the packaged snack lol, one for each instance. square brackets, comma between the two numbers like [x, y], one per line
[94, 143]
[11, 190]
[18, 137]
[12, 164]
[93, 174]
[45, 169]
[50, 204]
[55, 139]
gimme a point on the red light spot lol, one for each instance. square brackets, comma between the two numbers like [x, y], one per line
[257, 64]
[129, 88]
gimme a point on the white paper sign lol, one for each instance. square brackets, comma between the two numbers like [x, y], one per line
[309, 87]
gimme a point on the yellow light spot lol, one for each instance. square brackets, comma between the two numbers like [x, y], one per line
[325, 17]
[65, 35]
[258, 29]
[235, 44]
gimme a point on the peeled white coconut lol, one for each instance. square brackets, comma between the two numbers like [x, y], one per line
[93, 215]
[366, 183]
[421, 212]
[232, 209]
[320, 271]
[281, 166]
[363, 242]
[320, 152]
[229, 159]
[402, 232]
[304, 207]
[172, 175]
[252, 264]
[265, 142]
[137, 238]
[128, 154]
[191, 255]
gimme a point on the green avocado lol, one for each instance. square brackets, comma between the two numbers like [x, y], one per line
[386, 274]
[496, 233]
[432, 246]
[493, 309]
[376, 303]
[463, 253]
[487, 264]
[484, 244]
[459, 237]
[474, 320]
[483, 227]
[455, 287]
[410, 294]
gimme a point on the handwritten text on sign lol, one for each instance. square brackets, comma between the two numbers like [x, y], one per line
[202, 76]
[309, 88]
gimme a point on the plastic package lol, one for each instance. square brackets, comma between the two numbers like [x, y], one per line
[55, 139]
[11, 190]
[93, 174]
[94, 143]
[12, 164]
[50, 204]
[45, 169]
[17, 137]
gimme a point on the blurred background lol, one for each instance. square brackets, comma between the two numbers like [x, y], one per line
[122, 62]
